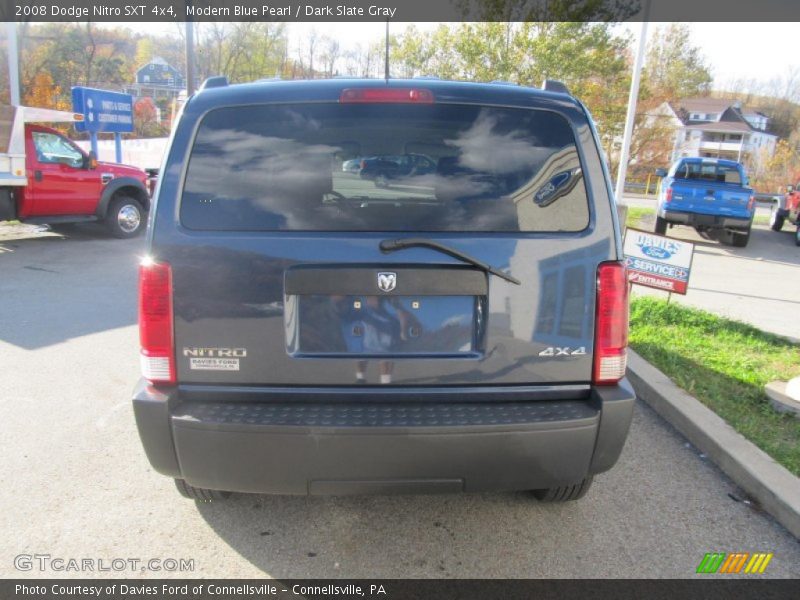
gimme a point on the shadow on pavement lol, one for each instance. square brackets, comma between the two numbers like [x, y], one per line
[765, 245]
[444, 536]
[58, 286]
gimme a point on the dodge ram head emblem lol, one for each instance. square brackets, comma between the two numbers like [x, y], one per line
[387, 281]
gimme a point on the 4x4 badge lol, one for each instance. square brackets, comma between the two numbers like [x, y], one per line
[387, 281]
[557, 351]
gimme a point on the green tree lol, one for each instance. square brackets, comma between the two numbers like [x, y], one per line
[590, 58]
[675, 68]
[775, 172]
[145, 51]
[548, 10]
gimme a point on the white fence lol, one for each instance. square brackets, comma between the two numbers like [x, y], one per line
[143, 153]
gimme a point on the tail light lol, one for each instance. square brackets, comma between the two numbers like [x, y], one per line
[386, 94]
[751, 203]
[611, 324]
[668, 195]
[155, 322]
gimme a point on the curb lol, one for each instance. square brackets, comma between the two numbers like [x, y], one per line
[774, 487]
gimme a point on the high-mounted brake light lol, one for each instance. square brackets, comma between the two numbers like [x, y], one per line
[155, 322]
[384, 94]
[611, 324]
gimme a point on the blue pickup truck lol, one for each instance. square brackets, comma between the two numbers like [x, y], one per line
[708, 194]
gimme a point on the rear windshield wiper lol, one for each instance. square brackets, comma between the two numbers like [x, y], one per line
[402, 243]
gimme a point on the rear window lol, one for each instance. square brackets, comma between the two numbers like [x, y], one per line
[709, 171]
[384, 167]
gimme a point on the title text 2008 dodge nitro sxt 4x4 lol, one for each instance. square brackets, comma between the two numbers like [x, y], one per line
[461, 327]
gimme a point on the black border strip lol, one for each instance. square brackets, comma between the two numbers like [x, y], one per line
[175, 11]
[729, 588]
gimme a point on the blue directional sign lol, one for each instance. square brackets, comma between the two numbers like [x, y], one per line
[103, 111]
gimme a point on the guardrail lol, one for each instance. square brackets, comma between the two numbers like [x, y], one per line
[649, 186]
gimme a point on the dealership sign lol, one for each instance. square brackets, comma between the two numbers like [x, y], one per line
[103, 111]
[657, 261]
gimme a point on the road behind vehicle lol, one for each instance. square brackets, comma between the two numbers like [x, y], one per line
[405, 169]
[708, 194]
[787, 208]
[46, 178]
[304, 332]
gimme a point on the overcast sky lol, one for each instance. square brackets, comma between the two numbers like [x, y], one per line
[760, 51]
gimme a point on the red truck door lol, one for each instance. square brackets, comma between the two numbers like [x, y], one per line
[58, 178]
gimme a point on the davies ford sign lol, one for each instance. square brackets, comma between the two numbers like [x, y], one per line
[658, 262]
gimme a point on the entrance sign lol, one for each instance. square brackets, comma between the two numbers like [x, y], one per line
[658, 262]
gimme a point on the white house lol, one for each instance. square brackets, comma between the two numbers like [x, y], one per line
[719, 128]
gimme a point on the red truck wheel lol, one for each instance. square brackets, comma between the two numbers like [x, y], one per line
[125, 218]
[776, 218]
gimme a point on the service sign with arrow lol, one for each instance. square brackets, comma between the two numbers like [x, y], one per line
[103, 111]
[658, 262]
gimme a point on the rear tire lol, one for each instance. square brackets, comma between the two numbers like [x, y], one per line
[200, 494]
[661, 226]
[739, 240]
[776, 219]
[797, 236]
[564, 493]
[125, 217]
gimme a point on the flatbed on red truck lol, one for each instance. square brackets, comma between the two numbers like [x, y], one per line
[46, 178]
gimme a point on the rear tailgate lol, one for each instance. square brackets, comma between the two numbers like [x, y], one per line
[709, 193]
[279, 279]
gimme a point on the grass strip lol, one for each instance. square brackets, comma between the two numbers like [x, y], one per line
[724, 364]
[640, 217]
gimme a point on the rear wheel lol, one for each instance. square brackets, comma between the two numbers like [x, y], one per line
[661, 226]
[125, 218]
[201, 494]
[797, 236]
[564, 493]
[776, 219]
[740, 239]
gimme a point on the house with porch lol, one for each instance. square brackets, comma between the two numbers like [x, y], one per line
[719, 128]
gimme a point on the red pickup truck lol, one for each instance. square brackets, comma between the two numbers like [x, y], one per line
[47, 178]
[787, 208]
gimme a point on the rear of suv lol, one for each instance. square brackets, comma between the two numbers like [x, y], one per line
[461, 327]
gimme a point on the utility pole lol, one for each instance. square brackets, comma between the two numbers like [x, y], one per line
[189, 54]
[13, 63]
[387, 51]
[631, 114]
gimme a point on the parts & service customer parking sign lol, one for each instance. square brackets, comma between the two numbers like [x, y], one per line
[658, 262]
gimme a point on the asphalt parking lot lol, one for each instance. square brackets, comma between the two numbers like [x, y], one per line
[74, 482]
[759, 284]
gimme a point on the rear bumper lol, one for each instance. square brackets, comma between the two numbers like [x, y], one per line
[380, 447]
[702, 220]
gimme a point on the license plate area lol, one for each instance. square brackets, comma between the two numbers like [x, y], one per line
[337, 313]
[705, 219]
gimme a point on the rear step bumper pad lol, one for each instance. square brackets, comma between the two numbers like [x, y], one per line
[699, 219]
[308, 448]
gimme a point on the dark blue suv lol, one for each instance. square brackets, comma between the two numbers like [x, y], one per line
[304, 331]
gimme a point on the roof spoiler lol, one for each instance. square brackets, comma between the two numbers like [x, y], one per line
[214, 82]
[551, 85]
